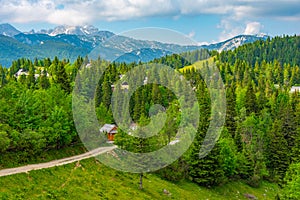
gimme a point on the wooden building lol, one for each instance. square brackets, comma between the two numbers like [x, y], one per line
[110, 130]
[295, 89]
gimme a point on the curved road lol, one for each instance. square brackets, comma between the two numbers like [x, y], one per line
[64, 161]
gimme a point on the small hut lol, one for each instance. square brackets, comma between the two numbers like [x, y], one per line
[295, 89]
[125, 86]
[110, 130]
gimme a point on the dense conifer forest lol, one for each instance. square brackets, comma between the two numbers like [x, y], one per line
[260, 140]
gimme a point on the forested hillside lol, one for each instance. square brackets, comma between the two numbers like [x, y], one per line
[260, 139]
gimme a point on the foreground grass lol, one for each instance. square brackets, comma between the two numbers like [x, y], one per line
[89, 179]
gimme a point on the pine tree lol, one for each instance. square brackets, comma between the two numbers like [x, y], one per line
[2, 76]
[205, 171]
[292, 179]
[43, 80]
[61, 77]
[278, 160]
[250, 101]
[30, 79]
[230, 110]
[106, 92]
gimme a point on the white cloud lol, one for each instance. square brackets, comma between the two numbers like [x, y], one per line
[25, 11]
[234, 13]
[87, 11]
[191, 34]
[69, 17]
[204, 6]
[230, 29]
[253, 28]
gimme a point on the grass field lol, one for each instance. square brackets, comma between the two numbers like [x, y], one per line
[198, 64]
[88, 179]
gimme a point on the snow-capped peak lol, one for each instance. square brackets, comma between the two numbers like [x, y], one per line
[72, 30]
[262, 35]
[239, 40]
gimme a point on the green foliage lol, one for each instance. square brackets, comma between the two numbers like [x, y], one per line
[228, 154]
[284, 49]
[175, 172]
[207, 171]
[4, 141]
[278, 151]
[35, 116]
[292, 179]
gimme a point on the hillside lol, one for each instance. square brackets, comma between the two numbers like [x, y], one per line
[198, 65]
[89, 179]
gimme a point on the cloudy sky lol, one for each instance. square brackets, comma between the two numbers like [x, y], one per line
[202, 20]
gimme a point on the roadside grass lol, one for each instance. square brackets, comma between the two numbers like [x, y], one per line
[88, 179]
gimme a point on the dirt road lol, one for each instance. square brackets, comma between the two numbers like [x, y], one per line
[64, 161]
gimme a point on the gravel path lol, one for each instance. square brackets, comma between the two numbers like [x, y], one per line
[64, 161]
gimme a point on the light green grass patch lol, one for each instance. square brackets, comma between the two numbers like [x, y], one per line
[88, 179]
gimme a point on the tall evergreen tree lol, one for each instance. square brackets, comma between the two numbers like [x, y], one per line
[278, 160]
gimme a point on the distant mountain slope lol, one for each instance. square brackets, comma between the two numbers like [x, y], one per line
[122, 46]
[86, 33]
[235, 42]
[60, 49]
[118, 46]
[8, 30]
[38, 39]
[71, 41]
[11, 49]
[145, 55]
[87, 30]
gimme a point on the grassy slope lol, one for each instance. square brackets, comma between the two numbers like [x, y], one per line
[198, 64]
[92, 180]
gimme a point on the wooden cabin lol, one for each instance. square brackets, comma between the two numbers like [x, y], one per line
[125, 86]
[110, 130]
[295, 89]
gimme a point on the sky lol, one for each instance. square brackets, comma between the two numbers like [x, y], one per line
[204, 21]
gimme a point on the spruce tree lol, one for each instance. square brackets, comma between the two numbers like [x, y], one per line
[278, 159]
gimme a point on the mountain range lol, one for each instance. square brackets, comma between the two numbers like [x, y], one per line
[71, 41]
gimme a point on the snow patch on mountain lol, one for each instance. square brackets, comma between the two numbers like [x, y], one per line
[71, 30]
